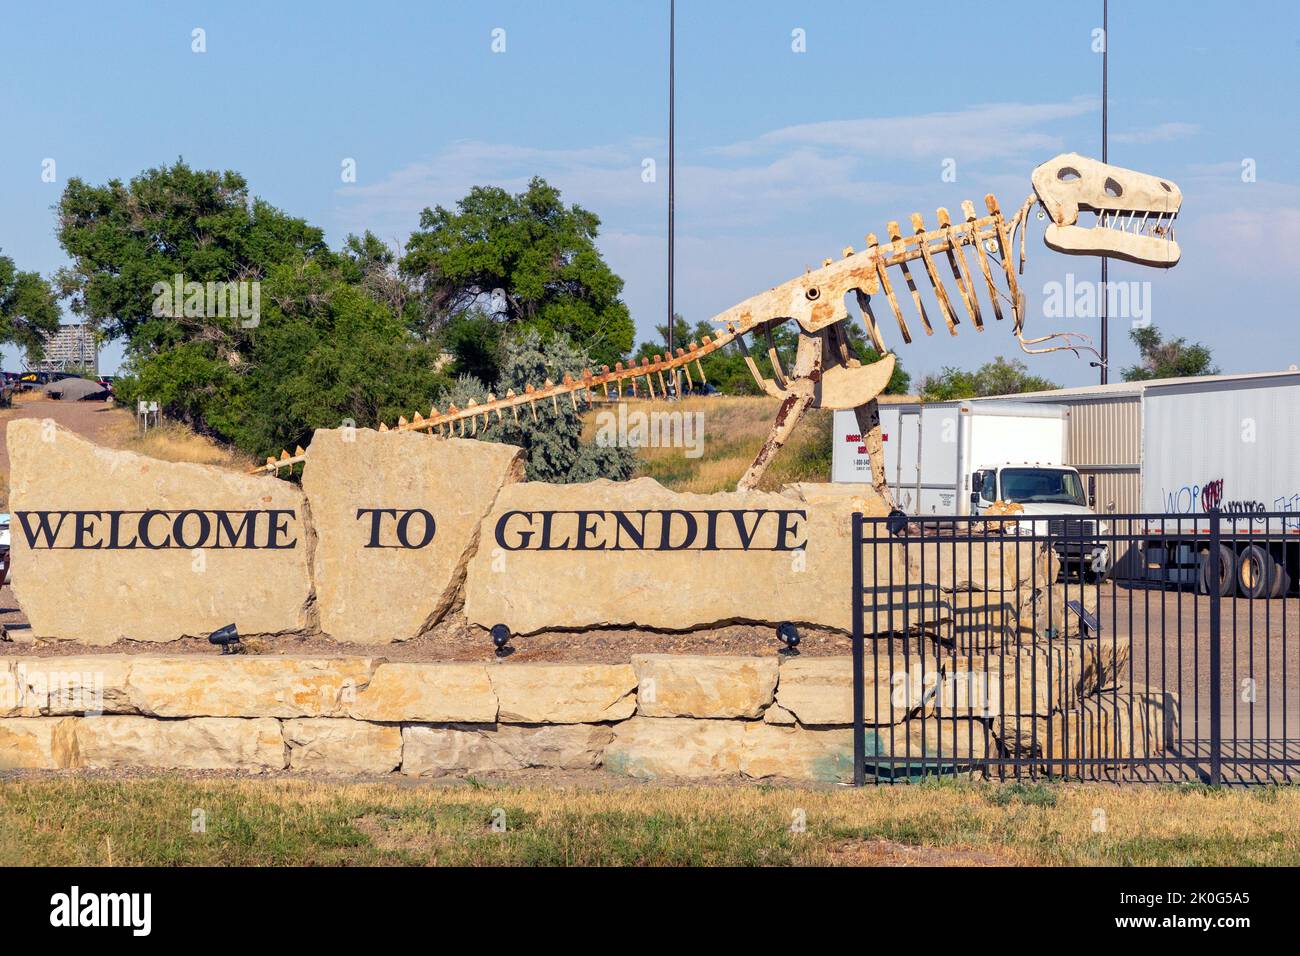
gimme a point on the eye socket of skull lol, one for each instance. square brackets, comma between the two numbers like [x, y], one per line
[1113, 189]
[1068, 174]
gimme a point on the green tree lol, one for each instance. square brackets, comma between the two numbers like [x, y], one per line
[173, 220]
[998, 377]
[553, 441]
[525, 259]
[28, 309]
[328, 345]
[1171, 359]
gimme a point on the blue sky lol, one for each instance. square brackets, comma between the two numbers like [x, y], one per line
[783, 157]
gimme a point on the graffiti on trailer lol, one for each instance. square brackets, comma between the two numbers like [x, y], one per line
[1210, 496]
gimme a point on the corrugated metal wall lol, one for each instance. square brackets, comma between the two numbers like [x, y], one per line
[1105, 440]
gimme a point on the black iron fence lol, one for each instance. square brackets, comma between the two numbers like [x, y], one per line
[1002, 646]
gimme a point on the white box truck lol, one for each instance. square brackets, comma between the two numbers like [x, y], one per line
[957, 458]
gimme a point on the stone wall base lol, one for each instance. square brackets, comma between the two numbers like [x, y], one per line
[669, 717]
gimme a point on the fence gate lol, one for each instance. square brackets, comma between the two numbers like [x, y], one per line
[1003, 646]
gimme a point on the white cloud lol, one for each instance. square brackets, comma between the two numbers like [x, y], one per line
[1161, 133]
[988, 131]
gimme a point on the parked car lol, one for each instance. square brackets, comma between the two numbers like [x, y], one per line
[4, 548]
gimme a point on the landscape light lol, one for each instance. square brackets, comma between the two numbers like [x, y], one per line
[227, 637]
[501, 640]
[789, 636]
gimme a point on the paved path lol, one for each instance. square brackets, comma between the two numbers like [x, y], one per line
[91, 419]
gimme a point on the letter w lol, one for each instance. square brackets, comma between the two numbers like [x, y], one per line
[44, 531]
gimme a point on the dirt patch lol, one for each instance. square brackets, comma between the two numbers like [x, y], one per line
[455, 639]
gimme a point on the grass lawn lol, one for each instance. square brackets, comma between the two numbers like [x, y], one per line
[47, 820]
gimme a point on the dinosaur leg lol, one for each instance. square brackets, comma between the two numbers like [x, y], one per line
[792, 408]
[868, 417]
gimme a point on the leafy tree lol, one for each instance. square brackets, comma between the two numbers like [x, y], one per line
[998, 377]
[476, 342]
[526, 260]
[328, 345]
[553, 442]
[726, 368]
[1172, 359]
[28, 309]
[174, 220]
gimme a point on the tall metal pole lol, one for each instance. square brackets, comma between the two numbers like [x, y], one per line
[672, 168]
[1105, 53]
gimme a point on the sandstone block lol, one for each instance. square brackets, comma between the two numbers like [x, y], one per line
[563, 693]
[396, 515]
[819, 690]
[342, 746]
[797, 753]
[204, 743]
[435, 751]
[703, 686]
[41, 686]
[606, 553]
[1134, 722]
[1027, 680]
[654, 747]
[158, 550]
[246, 686]
[436, 693]
[37, 743]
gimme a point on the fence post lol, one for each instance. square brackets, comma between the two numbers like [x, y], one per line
[859, 691]
[1216, 683]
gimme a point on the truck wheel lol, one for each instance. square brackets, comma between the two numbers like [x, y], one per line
[1257, 573]
[1227, 571]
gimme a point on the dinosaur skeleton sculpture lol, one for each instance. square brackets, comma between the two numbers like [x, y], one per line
[1134, 220]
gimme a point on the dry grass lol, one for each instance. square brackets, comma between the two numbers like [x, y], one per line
[61, 820]
[734, 429]
[170, 441]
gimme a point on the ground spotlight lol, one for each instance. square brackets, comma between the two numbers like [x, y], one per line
[789, 636]
[227, 637]
[501, 640]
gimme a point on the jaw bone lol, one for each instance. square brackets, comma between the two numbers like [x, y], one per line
[1134, 211]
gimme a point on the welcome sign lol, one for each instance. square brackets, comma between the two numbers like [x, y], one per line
[389, 532]
[109, 545]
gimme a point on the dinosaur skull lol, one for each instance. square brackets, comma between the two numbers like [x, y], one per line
[1134, 212]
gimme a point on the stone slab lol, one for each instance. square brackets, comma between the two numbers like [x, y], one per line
[342, 746]
[203, 743]
[563, 693]
[157, 550]
[38, 743]
[246, 685]
[596, 554]
[437, 751]
[676, 747]
[436, 693]
[671, 685]
[819, 690]
[396, 516]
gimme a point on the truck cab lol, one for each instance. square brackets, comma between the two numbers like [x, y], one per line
[1055, 490]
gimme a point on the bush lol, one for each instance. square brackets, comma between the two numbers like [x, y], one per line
[553, 443]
